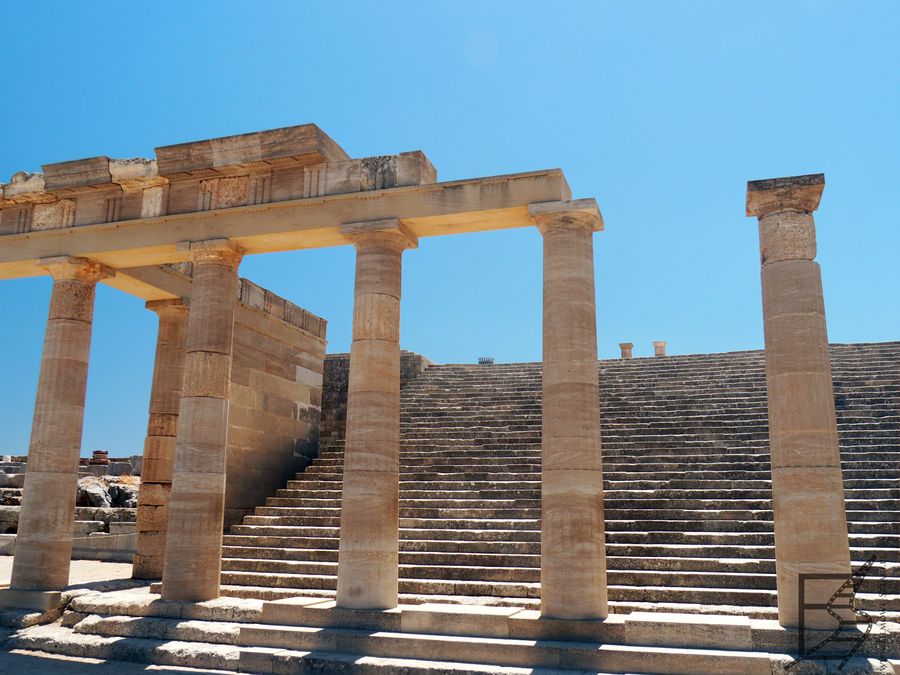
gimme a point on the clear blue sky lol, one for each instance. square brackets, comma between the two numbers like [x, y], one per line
[662, 111]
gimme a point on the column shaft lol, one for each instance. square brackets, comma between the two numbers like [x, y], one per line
[573, 556]
[193, 553]
[807, 487]
[44, 540]
[370, 509]
[159, 446]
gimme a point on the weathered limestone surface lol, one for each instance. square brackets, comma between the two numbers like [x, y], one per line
[274, 398]
[159, 446]
[44, 544]
[807, 489]
[278, 190]
[573, 559]
[196, 509]
[370, 508]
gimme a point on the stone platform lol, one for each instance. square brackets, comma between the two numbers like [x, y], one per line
[311, 635]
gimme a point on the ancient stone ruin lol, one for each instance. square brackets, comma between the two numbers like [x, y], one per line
[383, 512]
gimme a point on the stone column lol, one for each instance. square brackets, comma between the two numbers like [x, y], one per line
[159, 446]
[573, 556]
[659, 348]
[193, 558]
[627, 349]
[47, 516]
[807, 487]
[370, 507]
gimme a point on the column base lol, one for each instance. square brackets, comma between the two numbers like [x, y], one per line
[36, 600]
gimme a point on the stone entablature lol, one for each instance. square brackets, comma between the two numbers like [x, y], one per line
[269, 166]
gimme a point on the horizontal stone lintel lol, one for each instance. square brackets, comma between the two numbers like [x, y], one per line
[304, 144]
[472, 205]
[77, 173]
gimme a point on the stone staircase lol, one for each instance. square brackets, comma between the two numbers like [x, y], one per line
[688, 512]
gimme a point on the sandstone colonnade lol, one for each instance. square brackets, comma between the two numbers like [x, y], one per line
[212, 202]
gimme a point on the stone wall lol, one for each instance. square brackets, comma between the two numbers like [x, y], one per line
[276, 396]
[336, 381]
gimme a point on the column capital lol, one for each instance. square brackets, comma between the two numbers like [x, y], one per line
[791, 193]
[170, 306]
[215, 251]
[574, 213]
[389, 232]
[69, 268]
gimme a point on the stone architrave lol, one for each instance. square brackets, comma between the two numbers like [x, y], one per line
[573, 556]
[44, 540]
[370, 508]
[193, 552]
[159, 446]
[807, 487]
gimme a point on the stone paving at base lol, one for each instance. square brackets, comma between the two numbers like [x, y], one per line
[82, 572]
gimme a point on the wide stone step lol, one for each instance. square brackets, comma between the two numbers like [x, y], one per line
[55, 639]
[410, 510]
[531, 524]
[460, 535]
[644, 525]
[706, 596]
[110, 646]
[249, 550]
[244, 535]
[406, 571]
[507, 652]
[418, 586]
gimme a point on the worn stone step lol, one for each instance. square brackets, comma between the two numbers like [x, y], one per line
[210, 657]
[56, 639]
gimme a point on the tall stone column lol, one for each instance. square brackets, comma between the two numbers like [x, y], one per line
[46, 519]
[193, 558]
[159, 446]
[807, 487]
[573, 555]
[370, 508]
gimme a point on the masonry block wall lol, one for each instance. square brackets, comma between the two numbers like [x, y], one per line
[276, 397]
